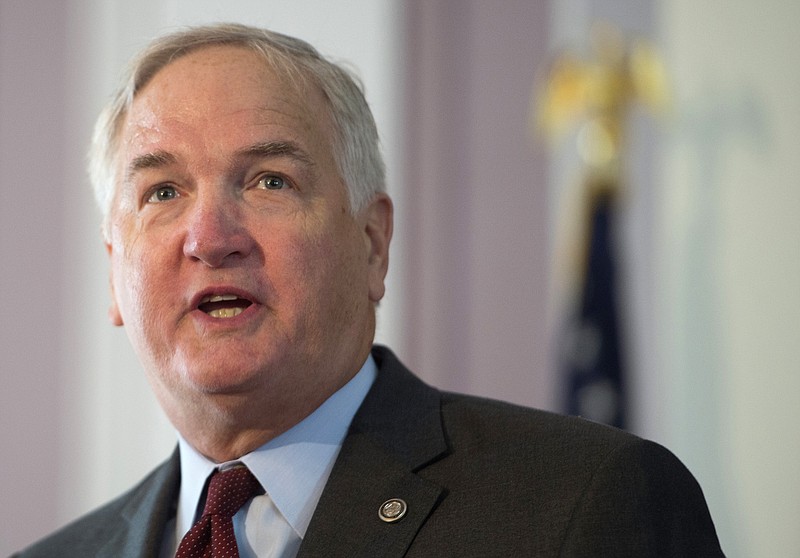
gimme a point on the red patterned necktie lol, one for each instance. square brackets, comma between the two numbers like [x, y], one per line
[212, 536]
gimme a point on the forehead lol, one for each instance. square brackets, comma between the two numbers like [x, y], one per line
[236, 66]
[223, 88]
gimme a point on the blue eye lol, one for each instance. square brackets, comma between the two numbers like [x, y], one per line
[163, 193]
[271, 182]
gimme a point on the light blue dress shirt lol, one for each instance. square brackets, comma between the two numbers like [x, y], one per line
[292, 468]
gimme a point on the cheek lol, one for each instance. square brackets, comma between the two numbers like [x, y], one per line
[341, 269]
[299, 269]
[140, 290]
[318, 269]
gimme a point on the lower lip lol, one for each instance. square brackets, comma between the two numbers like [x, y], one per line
[209, 321]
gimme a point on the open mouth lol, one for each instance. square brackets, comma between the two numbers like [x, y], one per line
[223, 306]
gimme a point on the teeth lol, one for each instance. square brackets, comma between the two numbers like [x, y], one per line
[218, 298]
[224, 312]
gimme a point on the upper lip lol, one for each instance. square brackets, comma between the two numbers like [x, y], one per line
[219, 298]
[220, 293]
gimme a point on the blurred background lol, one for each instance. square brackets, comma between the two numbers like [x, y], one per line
[706, 241]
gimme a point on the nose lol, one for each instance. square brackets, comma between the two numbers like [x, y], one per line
[216, 234]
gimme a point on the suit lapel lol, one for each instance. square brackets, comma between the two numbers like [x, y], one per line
[395, 433]
[150, 506]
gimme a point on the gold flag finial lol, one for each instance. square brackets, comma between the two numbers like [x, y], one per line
[598, 93]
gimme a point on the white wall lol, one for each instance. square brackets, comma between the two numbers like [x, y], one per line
[729, 266]
[33, 152]
[476, 269]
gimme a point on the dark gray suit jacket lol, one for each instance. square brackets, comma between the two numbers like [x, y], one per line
[480, 478]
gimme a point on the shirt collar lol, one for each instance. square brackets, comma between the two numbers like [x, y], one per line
[293, 467]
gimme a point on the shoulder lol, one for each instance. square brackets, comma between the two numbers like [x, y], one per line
[138, 513]
[564, 453]
[569, 456]
[82, 537]
[585, 488]
[476, 421]
[475, 425]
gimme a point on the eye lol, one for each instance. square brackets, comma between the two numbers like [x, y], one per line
[271, 182]
[162, 194]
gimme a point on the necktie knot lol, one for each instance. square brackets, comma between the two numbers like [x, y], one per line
[213, 536]
[229, 490]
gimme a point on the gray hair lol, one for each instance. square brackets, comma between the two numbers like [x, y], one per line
[356, 145]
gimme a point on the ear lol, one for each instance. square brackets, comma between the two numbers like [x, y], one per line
[114, 314]
[378, 226]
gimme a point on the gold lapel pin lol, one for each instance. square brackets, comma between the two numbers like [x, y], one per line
[392, 510]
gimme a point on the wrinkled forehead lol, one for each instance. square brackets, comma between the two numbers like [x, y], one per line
[280, 64]
[296, 79]
[229, 77]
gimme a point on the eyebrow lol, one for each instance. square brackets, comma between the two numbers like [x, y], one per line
[281, 148]
[154, 160]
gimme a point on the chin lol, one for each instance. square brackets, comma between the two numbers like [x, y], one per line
[224, 378]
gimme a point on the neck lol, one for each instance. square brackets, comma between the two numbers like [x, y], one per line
[226, 426]
[225, 430]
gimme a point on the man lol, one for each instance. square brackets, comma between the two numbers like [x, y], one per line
[248, 231]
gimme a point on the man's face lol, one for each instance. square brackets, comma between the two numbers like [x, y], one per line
[236, 265]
